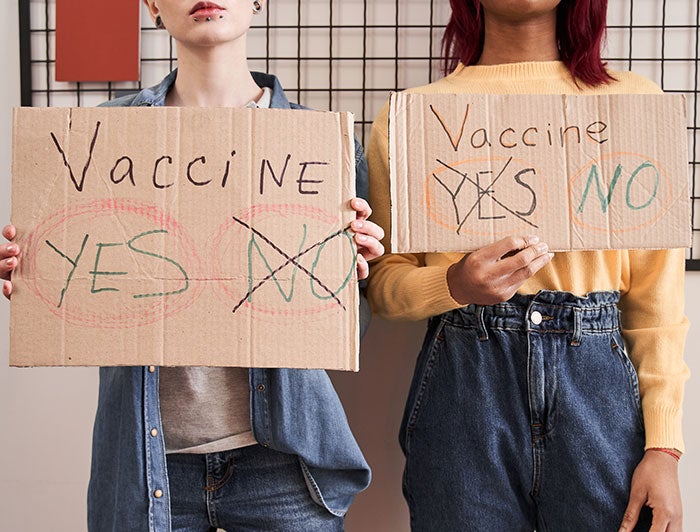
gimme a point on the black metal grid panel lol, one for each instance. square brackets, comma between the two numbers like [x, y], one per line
[347, 54]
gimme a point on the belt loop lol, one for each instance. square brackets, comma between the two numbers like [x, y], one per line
[481, 325]
[576, 338]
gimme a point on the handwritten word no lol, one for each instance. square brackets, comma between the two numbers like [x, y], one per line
[605, 199]
[254, 249]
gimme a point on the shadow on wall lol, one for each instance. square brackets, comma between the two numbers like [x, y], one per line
[374, 400]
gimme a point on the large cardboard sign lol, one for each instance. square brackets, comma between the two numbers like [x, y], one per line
[581, 172]
[180, 236]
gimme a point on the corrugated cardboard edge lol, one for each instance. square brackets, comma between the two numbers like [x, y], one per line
[346, 124]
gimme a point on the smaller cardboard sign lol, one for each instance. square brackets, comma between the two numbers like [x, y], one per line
[184, 236]
[581, 172]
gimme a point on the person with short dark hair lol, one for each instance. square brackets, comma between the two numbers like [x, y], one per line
[201, 448]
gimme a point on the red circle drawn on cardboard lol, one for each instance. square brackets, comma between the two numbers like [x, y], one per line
[144, 314]
[279, 212]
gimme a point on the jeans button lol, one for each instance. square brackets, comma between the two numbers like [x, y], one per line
[536, 318]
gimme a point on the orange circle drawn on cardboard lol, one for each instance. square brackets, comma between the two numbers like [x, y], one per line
[663, 209]
[432, 211]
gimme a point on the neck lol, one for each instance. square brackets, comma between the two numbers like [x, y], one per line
[213, 76]
[515, 41]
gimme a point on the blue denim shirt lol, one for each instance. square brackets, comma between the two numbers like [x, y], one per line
[292, 411]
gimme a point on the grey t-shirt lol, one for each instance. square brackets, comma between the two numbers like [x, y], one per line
[207, 410]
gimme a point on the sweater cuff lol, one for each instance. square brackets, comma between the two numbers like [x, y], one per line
[436, 292]
[663, 428]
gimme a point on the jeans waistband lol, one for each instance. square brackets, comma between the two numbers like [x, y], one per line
[544, 312]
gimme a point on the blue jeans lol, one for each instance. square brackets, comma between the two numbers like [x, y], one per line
[521, 416]
[244, 490]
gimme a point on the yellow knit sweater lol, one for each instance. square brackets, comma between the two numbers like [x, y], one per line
[414, 286]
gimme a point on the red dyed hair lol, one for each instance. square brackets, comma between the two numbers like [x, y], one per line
[580, 32]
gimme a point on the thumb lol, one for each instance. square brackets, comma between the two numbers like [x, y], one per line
[632, 512]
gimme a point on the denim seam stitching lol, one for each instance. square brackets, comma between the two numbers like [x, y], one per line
[632, 378]
[427, 372]
[312, 482]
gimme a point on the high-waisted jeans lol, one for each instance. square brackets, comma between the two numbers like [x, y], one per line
[252, 489]
[523, 415]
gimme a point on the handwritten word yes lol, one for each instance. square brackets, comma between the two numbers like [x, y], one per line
[462, 196]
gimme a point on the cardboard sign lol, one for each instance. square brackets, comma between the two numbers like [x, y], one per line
[581, 172]
[181, 236]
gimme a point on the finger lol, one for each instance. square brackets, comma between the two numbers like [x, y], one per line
[660, 519]
[658, 524]
[362, 207]
[9, 250]
[676, 525]
[631, 513]
[7, 289]
[518, 277]
[522, 259]
[368, 245]
[362, 267]
[6, 267]
[368, 228]
[497, 250]
[9, 231]
[371, 251]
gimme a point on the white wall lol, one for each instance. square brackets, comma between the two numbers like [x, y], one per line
[46, 414]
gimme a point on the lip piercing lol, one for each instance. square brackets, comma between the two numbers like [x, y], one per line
[208, 19]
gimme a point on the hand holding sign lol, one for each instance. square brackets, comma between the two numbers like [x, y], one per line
[9, 258]
[494, 273]
[367, 237]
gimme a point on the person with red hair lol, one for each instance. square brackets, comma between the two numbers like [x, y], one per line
[547, 394]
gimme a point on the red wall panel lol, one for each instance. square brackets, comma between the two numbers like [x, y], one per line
[97, 40]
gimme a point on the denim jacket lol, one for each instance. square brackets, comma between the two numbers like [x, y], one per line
[292, 411]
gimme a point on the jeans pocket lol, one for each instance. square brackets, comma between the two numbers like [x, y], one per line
[421, 379]
[618, 347]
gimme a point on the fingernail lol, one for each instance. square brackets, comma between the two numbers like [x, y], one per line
[361, 237]
[551, 255]
[11, 262]
[12, 248]
[542, 248]
[357, 224]
[532, 240]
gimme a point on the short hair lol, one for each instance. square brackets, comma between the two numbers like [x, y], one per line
[580, 33]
